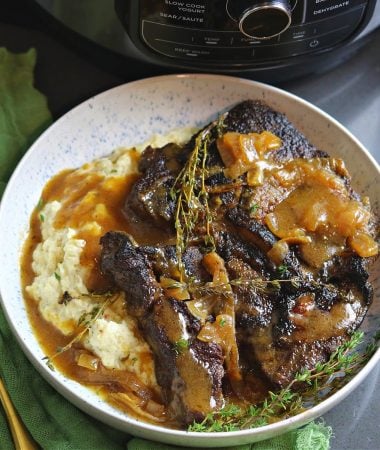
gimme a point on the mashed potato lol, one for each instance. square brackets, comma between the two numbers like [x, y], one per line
[59, 271]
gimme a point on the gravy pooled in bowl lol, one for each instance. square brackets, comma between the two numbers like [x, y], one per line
[200, 276]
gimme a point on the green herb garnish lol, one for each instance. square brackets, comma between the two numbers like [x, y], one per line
[190, 194]
[181, 345]
[285, 403]
[257, 284]
[40, 203]
[253, 209]
[85, 321]
[282, 269]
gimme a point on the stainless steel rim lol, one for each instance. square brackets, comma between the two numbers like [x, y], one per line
[267, 5]
[235, 19]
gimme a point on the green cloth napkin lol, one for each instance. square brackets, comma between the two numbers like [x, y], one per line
[23, 110]
[53, 421]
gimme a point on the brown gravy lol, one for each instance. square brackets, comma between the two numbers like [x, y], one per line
[80, 205]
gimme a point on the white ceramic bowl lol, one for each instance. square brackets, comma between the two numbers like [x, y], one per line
[127, 115]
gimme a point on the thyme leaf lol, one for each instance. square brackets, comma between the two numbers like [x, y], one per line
[253, 209]
[40, 203]
[57, 276]
[181, 345]
[282, 269]
[258, 284]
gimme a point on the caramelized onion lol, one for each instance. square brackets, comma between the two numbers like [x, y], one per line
[219, 331]
[326, 217]
[200, 309]
[88, 361]
[241, 152]
[150, 410]
[117, 380]
[280, 249]
[363, 244]
[214, 264]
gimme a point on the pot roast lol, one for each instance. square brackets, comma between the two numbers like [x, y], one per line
[283, 282]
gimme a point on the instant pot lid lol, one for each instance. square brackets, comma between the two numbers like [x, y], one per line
[93, 28]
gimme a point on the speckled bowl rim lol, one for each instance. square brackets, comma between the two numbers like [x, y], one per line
[137, 427]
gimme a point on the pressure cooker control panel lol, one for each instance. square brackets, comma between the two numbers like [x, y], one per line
[236, 32]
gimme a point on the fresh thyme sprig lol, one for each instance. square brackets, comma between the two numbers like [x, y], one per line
[190, 193]
[258, 284]
[342, 362]
[86, 321]
[288, 402]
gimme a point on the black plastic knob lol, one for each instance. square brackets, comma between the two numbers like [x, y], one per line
[261, 19]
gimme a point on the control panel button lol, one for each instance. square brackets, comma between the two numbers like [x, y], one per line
[211, 37]
[351, 18]
[307, 45]
[321, 9]
[155, 31]
[197, 49]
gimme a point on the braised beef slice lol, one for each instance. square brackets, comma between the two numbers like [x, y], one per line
[285, 339]
[251, 230]
[230, 245]
[150, 197]
[253, 308]
[164, 261]
[280, 363]
[129, 268]
[190, 374]
[190, 377]
[347, 271]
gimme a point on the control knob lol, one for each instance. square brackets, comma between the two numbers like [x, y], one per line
[261, 19]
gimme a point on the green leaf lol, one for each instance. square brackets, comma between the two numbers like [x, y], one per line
[282, 269]
[180, 346]
[253, 209]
